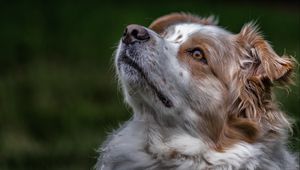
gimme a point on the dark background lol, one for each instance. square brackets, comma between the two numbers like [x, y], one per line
[58, 93]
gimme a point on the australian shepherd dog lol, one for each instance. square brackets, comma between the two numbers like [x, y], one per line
[201, 98]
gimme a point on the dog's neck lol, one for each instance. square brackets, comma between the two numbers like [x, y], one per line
[180, 130]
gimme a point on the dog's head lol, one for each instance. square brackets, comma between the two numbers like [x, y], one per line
[190, 68]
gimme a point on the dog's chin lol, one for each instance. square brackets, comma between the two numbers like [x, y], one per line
[130, 72]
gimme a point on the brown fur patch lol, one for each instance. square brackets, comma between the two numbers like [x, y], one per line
[237, 129]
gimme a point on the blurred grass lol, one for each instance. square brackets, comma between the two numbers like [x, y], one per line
[58, 94]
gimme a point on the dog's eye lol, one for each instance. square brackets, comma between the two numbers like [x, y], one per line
[198, 55]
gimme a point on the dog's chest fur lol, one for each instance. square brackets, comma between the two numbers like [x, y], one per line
[135, 147]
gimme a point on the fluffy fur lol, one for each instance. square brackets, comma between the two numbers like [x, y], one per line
[193, 115]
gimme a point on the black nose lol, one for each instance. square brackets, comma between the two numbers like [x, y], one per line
[135, 33]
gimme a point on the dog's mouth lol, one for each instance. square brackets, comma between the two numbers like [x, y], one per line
[163, 98]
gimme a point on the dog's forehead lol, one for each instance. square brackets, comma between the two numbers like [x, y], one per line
[181, 32]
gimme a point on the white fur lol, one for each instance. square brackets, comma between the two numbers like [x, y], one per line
[183, 30]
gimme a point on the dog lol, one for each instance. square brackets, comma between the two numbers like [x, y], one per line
[201, 97]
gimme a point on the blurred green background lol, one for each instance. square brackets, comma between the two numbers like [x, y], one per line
[58, 94]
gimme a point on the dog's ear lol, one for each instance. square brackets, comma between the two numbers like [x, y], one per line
[261, 68]
[252, 112]
[260, 59]
[161, 23]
